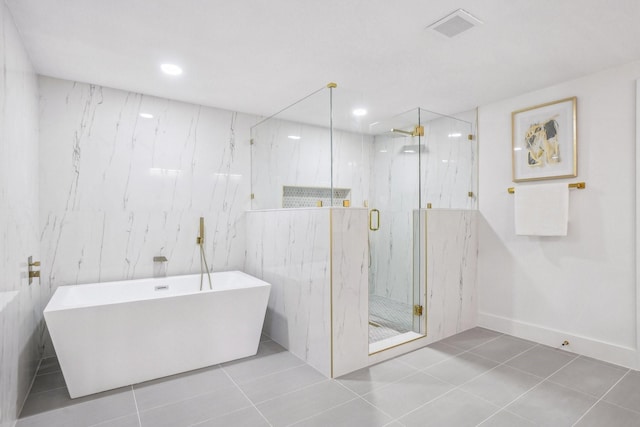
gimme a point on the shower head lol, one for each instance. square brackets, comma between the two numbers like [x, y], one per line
[417, 131]
[400, 131]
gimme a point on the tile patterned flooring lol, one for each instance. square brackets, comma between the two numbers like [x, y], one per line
[476, 378]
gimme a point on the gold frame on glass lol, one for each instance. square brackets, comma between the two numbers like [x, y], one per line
[543, 141]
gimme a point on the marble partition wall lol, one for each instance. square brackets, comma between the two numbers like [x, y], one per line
[316, 262]
[20, 302]
[451, 256]
[278, 160]
[117, 189]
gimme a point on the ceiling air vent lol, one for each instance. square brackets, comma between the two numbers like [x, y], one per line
[455, 23]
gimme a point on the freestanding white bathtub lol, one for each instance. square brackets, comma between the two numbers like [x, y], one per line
[109, 335]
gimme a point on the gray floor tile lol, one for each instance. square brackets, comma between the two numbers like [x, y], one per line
[627, 392]
[47, 382]
[606, 414]
[589, 376]
[471, 338]
[541, 360]
[399, 398]
[271, 358]
[503, 348]
[457, 408]
[552, 405]
[166, 390]
[248, 417]
[364, 380]
[49, 365]
[305, 403]
[55, 408]
[429, 355]
[274, 385]
[506, 419]
[353, 413]
[128, 421]
[196, 409]
[461, 368]
[501, 385]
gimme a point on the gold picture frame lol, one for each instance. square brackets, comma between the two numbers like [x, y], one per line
[543, 141]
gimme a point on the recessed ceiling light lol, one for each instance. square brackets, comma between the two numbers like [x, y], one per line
[383, 151]
[146, 115]
[359, 112]
[171, 69]
[409, 151]
[296, 137]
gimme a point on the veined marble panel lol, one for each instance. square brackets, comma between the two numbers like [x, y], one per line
[350, 290]
[451, 259]
[278, 160]
[290, 249]
[20, 305]
[117, 189]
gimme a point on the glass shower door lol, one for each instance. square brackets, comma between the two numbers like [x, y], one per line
[395, 299]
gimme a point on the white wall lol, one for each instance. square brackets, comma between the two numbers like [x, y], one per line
[20, 311]
[581, 287]
[117, 189]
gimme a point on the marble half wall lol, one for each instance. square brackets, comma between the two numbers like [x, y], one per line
[20, 312]
[452, 259]
[316, 262]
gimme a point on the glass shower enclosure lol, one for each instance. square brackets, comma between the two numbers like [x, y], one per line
[317, 153]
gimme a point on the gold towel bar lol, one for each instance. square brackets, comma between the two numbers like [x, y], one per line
[578, 185]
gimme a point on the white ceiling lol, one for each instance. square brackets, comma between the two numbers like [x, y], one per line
[257, 56]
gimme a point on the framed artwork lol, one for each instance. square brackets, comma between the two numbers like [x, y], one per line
[543, 141]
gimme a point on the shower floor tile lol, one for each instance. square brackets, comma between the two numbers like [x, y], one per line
[477, 378]
[388, 318]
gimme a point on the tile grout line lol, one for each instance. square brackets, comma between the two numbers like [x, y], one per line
[504, 408]
[458, 387]
[135, 401]
[246, 397]
[601, 398]
[356, 396]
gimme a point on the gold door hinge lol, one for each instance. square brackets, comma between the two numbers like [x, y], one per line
[470, 137]
[417, 310]
[253, 196]
[251, 141]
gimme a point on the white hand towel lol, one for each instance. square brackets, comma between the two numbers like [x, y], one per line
[542, 210]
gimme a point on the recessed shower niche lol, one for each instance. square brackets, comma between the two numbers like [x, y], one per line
[339, 225]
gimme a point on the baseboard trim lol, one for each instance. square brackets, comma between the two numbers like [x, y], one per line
[601, 350]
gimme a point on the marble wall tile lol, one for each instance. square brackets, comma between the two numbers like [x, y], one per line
[349, 270]
[20, 314]
[117, 189]
[290, 249]
[316, 262]
[451, 265]
[277, 161]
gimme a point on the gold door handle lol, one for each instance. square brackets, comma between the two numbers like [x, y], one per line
[371, 227]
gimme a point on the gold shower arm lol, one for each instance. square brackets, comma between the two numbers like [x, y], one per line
[578, 185]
